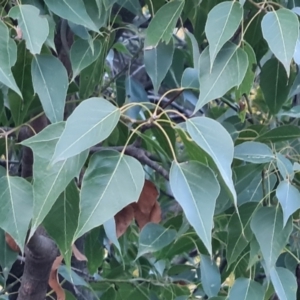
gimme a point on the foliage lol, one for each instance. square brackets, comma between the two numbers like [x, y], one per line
[170, 149]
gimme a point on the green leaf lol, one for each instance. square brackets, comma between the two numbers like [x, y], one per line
[275, 25]
[16, 202]
[280, 134]
[158, 61]
[97, 12]
[8, 57]
[49, 181]
[50, 37]
[52, 90]
[7, 256]
[285, 167]
[289, 198]
[111, 232]
[284, 283]
[154, 237]
[210, 276]
[275, 88]
[253, 152]
[81, 55]
[111, 182]
[222, 22]
[72, 10]
[215, 140]
[163, 23]
[193, 45]
[238, 238]
[190, 79]
[272, 236]
[196, 189]
[91, 122]
[35, 28]
[224, 75]
[246, 289]
[62, 220]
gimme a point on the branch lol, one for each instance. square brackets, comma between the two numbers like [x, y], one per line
[141, 155]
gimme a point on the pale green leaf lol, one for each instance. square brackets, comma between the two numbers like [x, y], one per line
[246, 289]
[289, 198]
[111, 232]
[72, 10]
[8, 57]
[280, 134]
[272, 236]
[229, 70]
[52, 90]
[158, 61]
[190, 79]
[194, 47]
[35, 28]
[50, 180]
[154, 237]
[284, 283]
[97, 12]
[280, 29]
[111, 182]
[62, 220]
[274, 85]
[16, 207]
[285, 167]
[81, 55]
[196, 189]
[7, 256]
[50, 37]
[163, 23]
[222, 22]
[91, 122]
[254, 152]
[215, 140]
[239, 237]
[210, 276]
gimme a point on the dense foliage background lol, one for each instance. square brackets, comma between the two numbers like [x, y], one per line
[149, 149]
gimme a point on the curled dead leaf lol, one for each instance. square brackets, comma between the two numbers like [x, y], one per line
[78, 255]
[11, 243]
[53, 279]
[19, 35]
[123, 219]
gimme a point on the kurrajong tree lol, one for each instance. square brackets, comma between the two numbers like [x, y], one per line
[149, 149]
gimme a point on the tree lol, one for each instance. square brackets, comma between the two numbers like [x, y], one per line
[149, 149]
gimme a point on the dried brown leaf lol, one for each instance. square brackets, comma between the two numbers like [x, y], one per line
[123, 219]
[78, 255]
[11, 243]
[53, 279]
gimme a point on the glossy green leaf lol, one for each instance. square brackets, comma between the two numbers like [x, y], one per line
[274, 88]
[238, 238]
[222, 22]
[8, 57]
[254, 152]
[72, 10]
[224, 75]
[246, 289]
[91, 122]
[196, 189]
[285, 167]
[275, 26]
[16, 202]
[158, 61]
[154, 237]
[284, 283]
[61, 221]
[163, 23]
[7, 256]
[210, 276]
[280, 134]
[215, 140]
[190, 79]
[111, 182]
[81, 55]
[35, 28]
[272, 236]
[289, 198]
[52, 90]
[50, 180]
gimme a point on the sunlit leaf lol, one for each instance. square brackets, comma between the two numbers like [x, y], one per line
[52, 90]
[222, 22]
[196, 189]
[111, 182]
[16, 203]
[91, 122]
[35, 28]
[275, 24]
